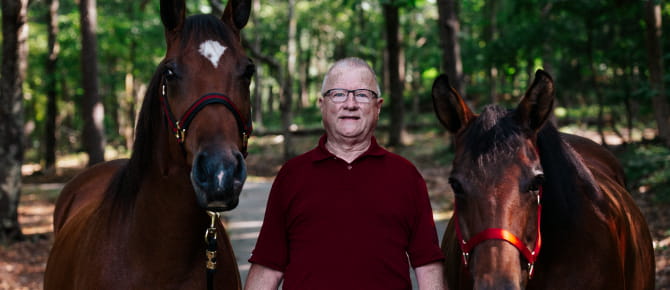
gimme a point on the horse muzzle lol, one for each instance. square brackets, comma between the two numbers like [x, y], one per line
[217, 179]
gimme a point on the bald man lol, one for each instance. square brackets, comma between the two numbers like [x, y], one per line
[348, 214]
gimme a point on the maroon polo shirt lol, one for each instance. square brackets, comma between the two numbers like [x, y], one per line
[334, 225]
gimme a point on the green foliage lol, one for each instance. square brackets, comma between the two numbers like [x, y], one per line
[594, 49]
[444, 155]
[647, 169]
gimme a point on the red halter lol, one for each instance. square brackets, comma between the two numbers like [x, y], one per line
[501, 234]
[179, 127]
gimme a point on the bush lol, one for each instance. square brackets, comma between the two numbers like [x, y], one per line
[647, 168]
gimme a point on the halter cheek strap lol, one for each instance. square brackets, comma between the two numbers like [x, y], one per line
[179, 127]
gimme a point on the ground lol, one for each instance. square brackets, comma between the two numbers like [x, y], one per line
[22, 264]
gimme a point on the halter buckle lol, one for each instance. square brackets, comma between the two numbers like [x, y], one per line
[180, 134]
[210, 240]
[211, 260]
[211, 231]
[531, 268]
[245, 139]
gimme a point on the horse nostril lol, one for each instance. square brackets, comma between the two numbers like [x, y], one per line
[240, 170]
[213, 171]
[218, 176]
[200, 168]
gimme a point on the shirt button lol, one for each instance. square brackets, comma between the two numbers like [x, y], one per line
[349, 167]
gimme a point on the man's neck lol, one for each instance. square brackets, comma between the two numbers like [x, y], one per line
[347, 151]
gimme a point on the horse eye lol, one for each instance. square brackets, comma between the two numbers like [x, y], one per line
[249, 71]
[456, 186]
[536, 183]
[169, 74]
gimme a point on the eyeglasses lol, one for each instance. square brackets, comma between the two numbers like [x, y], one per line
[341, 95]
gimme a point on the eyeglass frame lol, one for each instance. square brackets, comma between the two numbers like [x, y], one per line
[353, 93]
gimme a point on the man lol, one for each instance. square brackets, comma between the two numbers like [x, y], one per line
[347, 214]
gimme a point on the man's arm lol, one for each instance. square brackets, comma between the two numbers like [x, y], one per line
[261, 278]
[430, 276]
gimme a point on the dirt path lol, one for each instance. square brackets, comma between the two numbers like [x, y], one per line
[22, 264]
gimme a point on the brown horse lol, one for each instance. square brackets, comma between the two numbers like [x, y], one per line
[139, 223]
[535, 208]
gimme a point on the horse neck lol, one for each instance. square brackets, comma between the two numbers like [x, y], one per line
[166, 225]
[568, 181]
[165, 214]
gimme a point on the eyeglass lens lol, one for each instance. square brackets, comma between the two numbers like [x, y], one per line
[341, 95]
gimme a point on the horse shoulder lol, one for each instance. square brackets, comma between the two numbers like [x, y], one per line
[86, 188]
[67, 251]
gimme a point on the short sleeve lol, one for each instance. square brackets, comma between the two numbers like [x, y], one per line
[423, 245]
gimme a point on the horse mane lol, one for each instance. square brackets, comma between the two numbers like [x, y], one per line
[565, 178]
[495, 135]
[492, 136]
[126, 183]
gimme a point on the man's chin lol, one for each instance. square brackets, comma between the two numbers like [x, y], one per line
[357, 134]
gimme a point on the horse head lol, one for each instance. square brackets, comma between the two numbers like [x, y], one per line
[205, 78]
[497, 182]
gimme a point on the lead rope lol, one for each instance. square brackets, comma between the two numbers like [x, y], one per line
[210, 251]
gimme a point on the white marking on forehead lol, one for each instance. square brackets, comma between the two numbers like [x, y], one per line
[212, 50]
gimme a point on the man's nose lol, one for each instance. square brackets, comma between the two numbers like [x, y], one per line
[351, 102]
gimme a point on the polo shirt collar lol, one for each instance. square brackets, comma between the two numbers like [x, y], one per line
[321, 152]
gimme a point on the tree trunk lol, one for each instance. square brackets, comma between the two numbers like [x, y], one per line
[51, 88]
[92, 108]
[594, 79]
[14, 53]
[304, 78]
[286, 97]
[258, 87]
[490, 36]
[450, 28]
[547, 46]
[127, 104]
[395, 86]
[652, 18]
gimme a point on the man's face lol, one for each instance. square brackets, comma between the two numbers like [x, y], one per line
[350, 119]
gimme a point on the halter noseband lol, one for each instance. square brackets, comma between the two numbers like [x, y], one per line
[504, 235]
[179, 127]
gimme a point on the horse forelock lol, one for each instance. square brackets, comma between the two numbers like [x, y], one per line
[204, 27]
[492, 137]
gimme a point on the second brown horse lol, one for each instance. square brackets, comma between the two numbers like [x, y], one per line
[535, 208]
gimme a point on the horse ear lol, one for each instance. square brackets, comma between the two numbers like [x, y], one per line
[536, 106]
[173, 13]
[449, 107]
[237, 13]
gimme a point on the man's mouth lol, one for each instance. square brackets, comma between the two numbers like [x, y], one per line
[349, 117]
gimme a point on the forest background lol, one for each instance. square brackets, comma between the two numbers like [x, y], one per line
[74, 73]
